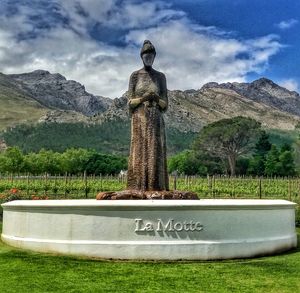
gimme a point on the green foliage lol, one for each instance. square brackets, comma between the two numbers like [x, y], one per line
[256, 165]
[186, 163]
[72, 161]
[178, 141]
[280, 163]
[257, 162]
[272, 162]
[286, 166]
[104, 164]
[43, 162]
[242, 165]
[108, 137]
[228, 138]
[263, 145]
[12, 160]
[195, 163]
[280, 137]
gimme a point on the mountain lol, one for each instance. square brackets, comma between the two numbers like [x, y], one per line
[16, 105]
[263, 100]
[54, 91]
[265, 91]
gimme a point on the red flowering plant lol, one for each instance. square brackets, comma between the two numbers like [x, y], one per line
[39, 197]
[14, 191]
[12, 194]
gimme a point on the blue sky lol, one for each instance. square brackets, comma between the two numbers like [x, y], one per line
[97, 42]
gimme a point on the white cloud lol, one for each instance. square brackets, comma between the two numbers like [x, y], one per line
[286, 24]
[190, 58]
[188, 53]
[290, 84]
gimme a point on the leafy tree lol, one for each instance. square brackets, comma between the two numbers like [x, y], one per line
[281, 162]
[74, 161]
[186, 163]
[229, 139]
[105, 164]
[272, 162]
[3, 163]
[257, 162]
[14, 160]
[263, 145]
[242, 165]
[286, 165]
[256, 165]
[286, 147]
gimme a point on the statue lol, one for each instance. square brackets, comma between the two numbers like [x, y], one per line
[147, 100]
[147, 176]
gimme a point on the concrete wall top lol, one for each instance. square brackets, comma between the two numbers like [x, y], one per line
[214, 204]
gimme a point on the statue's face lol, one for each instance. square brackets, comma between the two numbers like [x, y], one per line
[148, 59]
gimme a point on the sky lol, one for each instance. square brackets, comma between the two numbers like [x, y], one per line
[97, 42]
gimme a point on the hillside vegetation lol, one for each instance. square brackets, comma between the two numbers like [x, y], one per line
[108, 137]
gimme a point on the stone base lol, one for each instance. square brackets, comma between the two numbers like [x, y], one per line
[137, 194]
[151, 229]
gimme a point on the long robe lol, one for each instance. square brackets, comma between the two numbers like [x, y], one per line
[147, 168]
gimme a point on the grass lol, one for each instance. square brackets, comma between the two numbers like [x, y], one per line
[24, 271]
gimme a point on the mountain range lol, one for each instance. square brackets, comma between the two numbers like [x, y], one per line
[40, 96]
[58, 112]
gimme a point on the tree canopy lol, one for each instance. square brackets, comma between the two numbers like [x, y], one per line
[229, 139]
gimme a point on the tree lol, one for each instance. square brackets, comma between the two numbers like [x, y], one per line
[14, 159]
[280, 163]
[186, 163]
[229, 139]
[75, 160]
[257, 162]
[272, 162]
[105, 164]
[286, 165]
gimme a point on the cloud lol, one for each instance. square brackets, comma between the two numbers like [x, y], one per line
[59, 39]
[286, 24]
[290, 84]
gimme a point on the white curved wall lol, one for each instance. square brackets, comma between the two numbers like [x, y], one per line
[158, 229]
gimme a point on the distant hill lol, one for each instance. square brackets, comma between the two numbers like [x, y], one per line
[42, 97]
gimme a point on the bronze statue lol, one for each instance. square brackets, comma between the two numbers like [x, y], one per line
[147, 99]
[147, 167]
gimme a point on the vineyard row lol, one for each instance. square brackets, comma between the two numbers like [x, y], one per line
[210, 187]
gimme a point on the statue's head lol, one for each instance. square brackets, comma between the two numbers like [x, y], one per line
[148, 53]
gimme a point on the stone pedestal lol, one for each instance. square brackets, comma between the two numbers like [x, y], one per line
[152, 229]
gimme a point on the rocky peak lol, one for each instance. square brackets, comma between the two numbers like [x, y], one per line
[264, 91]
[56, 92]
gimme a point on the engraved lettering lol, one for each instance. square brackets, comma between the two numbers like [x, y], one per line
[167, 227]
[138, 225]
[178, 226]
[198, 226]
[170, 226]
[149, 227]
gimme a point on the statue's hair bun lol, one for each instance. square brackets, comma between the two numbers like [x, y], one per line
[147, 48]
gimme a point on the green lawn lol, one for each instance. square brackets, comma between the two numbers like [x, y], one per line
[23, 271]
